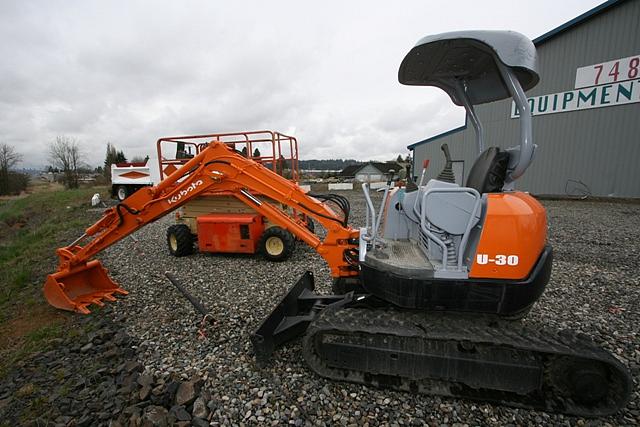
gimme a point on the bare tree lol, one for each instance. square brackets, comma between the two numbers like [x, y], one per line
[8, 160]
[139, 159]
[8, 157]
[65, 154]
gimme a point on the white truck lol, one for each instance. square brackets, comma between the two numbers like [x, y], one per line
[127, 178]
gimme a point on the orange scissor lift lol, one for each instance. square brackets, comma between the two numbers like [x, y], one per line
[217, 175]
[218, 222]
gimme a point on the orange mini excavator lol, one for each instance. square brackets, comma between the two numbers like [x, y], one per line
[426, 291]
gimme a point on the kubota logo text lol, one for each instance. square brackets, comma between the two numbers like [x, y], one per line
[176, 198]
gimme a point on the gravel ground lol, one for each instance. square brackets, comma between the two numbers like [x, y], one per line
[594, 289]
[140, 361]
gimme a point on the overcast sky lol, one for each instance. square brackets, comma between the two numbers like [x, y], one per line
[326, 71]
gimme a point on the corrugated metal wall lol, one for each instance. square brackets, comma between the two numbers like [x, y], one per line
[598, 147]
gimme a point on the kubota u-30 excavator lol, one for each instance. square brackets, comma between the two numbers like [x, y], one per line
[424, 291]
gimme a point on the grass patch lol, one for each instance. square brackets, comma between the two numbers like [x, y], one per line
[39, 339]
[31, 228]
[26, 390]
[37, 407]
[43, 334]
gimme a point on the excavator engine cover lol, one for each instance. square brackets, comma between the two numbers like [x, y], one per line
[76, 288]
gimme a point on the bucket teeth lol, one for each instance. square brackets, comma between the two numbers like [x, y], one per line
[82, 309]
[77, 288]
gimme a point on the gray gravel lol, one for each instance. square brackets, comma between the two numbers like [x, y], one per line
[594, 289]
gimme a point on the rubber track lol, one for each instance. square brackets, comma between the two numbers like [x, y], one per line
[550, 350]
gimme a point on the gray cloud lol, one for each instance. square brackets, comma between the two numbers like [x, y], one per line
[130, 72]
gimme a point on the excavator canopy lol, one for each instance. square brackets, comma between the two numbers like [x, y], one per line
[444, 60]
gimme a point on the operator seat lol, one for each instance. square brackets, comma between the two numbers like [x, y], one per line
[489, 171]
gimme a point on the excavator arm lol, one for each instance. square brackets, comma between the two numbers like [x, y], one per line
[81, 281]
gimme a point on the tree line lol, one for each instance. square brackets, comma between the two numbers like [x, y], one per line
[67, 160]
[11, 181]
[328, 164]
[339, 164]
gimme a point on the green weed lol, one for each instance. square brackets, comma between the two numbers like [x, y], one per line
[31, 228]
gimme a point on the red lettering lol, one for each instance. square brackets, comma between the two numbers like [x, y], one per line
[633, 67]
[615, 71]
[599, 68]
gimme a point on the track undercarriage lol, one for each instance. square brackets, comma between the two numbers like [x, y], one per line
[360, 339]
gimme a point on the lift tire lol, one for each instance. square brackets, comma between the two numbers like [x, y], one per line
[122, 192]
[276, 244]
[344, 285]
[179, 240]
[311, 226]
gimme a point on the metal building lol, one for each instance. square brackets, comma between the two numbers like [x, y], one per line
[586, 111]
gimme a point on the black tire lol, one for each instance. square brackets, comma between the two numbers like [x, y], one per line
[311, 226]
[276, 244]
[179, 240]
[344, 285]
[122, 192]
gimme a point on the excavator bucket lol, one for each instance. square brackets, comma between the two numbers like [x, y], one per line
[77, 288]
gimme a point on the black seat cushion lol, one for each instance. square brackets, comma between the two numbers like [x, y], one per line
[489, 171]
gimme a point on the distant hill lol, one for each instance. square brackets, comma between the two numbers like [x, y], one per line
[30, 171]
[330, 164]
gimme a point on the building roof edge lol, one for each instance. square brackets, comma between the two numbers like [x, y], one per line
[577, 20]
[441, 135]
[537, 41]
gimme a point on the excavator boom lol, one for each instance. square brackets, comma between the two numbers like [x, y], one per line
[81, 281]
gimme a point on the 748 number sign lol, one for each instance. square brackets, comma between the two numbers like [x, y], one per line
[614, 71]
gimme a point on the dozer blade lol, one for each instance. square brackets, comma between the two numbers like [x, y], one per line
[77, 288]
[291, 317]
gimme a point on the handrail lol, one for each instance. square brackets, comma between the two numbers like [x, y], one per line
[382, 203]
[523, 158]
[371, 211]
[274, 158]
[475, 121]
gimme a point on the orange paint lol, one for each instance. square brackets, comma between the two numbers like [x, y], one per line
[223, 233]
[512, 239]
[134, 175]
[81, 281]
[169, 169]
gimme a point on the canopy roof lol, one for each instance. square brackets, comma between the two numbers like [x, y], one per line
[445, 60]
